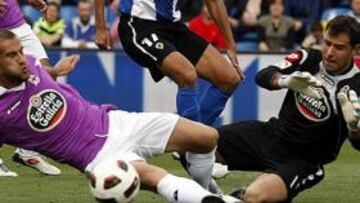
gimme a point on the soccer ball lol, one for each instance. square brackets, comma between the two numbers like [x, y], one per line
[114, 181]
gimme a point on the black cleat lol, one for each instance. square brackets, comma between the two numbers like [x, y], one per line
[220, 199]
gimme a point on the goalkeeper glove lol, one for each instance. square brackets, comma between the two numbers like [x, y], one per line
[302, 82]
[350, 106]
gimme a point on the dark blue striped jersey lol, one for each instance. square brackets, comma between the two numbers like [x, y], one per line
[157, 10]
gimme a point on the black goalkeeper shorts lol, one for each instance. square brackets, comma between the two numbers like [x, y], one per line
[255, 146]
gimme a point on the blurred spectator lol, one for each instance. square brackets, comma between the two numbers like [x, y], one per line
[314, 39]
[50, 28]
[355, 9]
[304, 12]
[80, 32]
[58, 2]
[204, 26]
[244, 15]
[189, 9]
[276, 31]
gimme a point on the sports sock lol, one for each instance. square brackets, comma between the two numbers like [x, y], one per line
[181, 190]
[212, 104]
[200, 167]
[187, 104]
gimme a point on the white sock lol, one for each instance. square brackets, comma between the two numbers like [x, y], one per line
[181, 190]
[200, 167]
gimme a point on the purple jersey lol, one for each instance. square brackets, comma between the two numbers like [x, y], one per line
[52, 118]
[12, 16]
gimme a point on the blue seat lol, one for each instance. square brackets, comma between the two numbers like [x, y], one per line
[330, 13]
[247, 46]
[31, 13]
[68, 13]
[249, 36]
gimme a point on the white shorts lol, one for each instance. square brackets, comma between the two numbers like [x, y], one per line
[30, 42]
[135, 136]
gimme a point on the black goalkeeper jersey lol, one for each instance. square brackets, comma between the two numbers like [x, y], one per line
[313, 129]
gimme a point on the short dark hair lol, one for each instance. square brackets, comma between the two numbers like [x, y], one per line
[6, 34]
[53, 3]
[345, 24]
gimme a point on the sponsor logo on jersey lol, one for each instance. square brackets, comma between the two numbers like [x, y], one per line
[13, 107]
[46, 110]
[34, 79]
[317, 110]
[327, 79]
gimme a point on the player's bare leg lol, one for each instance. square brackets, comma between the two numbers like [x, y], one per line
[213, 67]
[266, 188]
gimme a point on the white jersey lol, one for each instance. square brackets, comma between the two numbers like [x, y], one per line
[157, 10]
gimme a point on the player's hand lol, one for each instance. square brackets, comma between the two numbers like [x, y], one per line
[39, 5]
[66, 65]
[103, 39]
[350, 106]
[302, 82]
[3, 6]
[232, 54]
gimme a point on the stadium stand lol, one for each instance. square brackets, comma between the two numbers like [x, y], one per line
[330, 13]
[31, 13]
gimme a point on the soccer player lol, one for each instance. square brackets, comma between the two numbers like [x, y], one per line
[321, 109]
[12, 19]
[152, 34]
[38, 113]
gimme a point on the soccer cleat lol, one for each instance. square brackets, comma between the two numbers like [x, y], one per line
[37, 162]
[4, 171]
[175, 155]
[220, 199]
[219, 171]
[238, 193]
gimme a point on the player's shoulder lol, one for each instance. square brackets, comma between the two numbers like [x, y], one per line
[301, 59]
[32, 62]
[301, 56]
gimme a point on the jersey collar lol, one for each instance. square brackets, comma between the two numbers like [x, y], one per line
[3, 90]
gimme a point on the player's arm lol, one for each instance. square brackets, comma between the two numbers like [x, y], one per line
[218, 12]
[3, 6]
[269, 76]
[64, 66]
[288, 73]
[40, 5]
[102, 37]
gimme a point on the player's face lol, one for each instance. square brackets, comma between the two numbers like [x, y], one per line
[12, 62]
[84, 10]
[337, 52]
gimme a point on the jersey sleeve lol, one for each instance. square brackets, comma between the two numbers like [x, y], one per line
[297, 60]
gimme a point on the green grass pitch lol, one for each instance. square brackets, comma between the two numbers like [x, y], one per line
[341, 183]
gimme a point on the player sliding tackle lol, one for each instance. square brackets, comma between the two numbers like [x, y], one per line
[320, 111]
[153, 35]
[39, 113]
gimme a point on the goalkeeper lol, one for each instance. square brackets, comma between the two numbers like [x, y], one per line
[320, 110]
